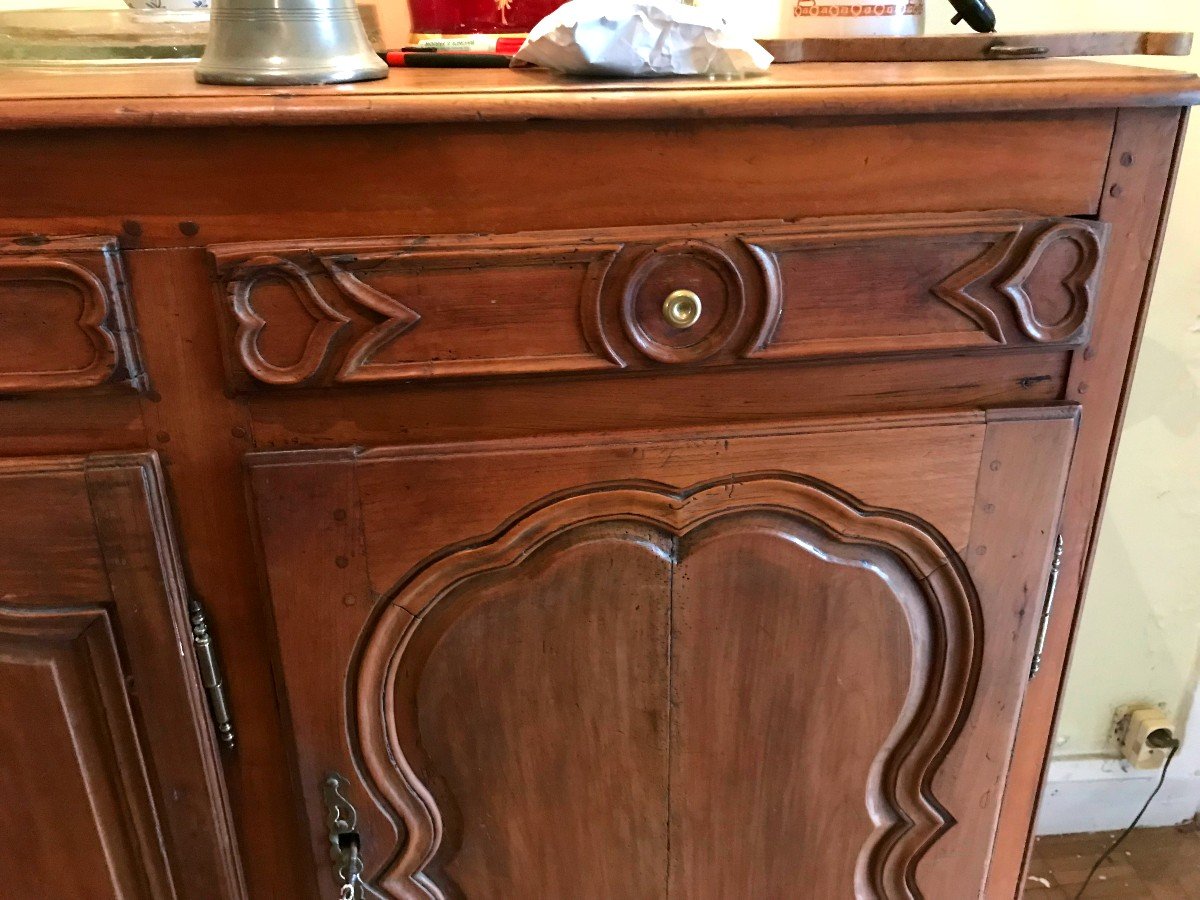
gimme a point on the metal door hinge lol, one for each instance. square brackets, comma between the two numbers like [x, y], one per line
[1044, 624]
[210, 674]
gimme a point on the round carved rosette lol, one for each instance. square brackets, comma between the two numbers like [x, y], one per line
[682, 302]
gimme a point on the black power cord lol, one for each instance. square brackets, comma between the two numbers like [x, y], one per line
[1160, 741]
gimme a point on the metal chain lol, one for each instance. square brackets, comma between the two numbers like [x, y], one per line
[351, 875]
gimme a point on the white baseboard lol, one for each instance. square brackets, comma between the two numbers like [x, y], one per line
[1102, 794]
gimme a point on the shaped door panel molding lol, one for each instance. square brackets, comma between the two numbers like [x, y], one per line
[880, 571]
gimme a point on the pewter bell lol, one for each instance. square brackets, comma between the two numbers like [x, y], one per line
[287, 42]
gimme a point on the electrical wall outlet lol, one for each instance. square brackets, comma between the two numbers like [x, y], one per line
[1133, 725]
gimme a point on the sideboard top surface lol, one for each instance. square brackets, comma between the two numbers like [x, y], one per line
[166, 95]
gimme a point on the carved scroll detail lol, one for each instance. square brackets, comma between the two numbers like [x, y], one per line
[907, 817]
[398, 319]
[772, 306]
[90, 268]
[993, 290]
[349, 289]
[957, 288]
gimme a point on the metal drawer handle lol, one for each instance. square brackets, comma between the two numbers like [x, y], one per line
[682, 308]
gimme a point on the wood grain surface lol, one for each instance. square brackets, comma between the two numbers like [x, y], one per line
[1011, 546]
[889, 386]
[111, 770]
[504, 598]
[338, 313]
[386, 180]
[949, 47]
[167, 95]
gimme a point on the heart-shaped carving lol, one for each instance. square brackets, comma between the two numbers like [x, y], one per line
[328, 323]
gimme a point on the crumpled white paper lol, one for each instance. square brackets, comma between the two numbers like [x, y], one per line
[640, 38]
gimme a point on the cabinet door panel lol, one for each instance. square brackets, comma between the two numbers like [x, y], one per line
[695, 668]
[86, 825]
[104, 733]
[540, 703]
[790, 671]
[455, 493]
[54, 551]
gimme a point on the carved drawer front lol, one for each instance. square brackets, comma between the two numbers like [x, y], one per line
[65, 320]
[393, 309]
[778, 664]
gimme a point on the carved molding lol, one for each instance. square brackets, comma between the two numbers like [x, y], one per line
[768, 265]
[398, 319]
[122, 632]
[992, 290]
[978, 289]
[1080, 282]
[627, 314]
[91, 269]
[501, 357]
[907, 817]
[709, 335]
[328, 323]
[355, 321]
[78, 646]
[392, 309]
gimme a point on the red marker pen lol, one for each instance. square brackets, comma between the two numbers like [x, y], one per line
[430, 58]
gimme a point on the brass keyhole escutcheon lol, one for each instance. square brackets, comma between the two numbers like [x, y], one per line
[682, 308]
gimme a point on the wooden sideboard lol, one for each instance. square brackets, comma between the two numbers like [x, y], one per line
[515, 487]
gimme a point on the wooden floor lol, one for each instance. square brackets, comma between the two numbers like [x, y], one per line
[1152, 864]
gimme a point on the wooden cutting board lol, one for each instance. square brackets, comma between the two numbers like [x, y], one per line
[980, 46]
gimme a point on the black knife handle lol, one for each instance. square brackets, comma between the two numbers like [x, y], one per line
[975, 13]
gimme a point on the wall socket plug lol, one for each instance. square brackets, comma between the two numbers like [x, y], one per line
[1132, 726]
